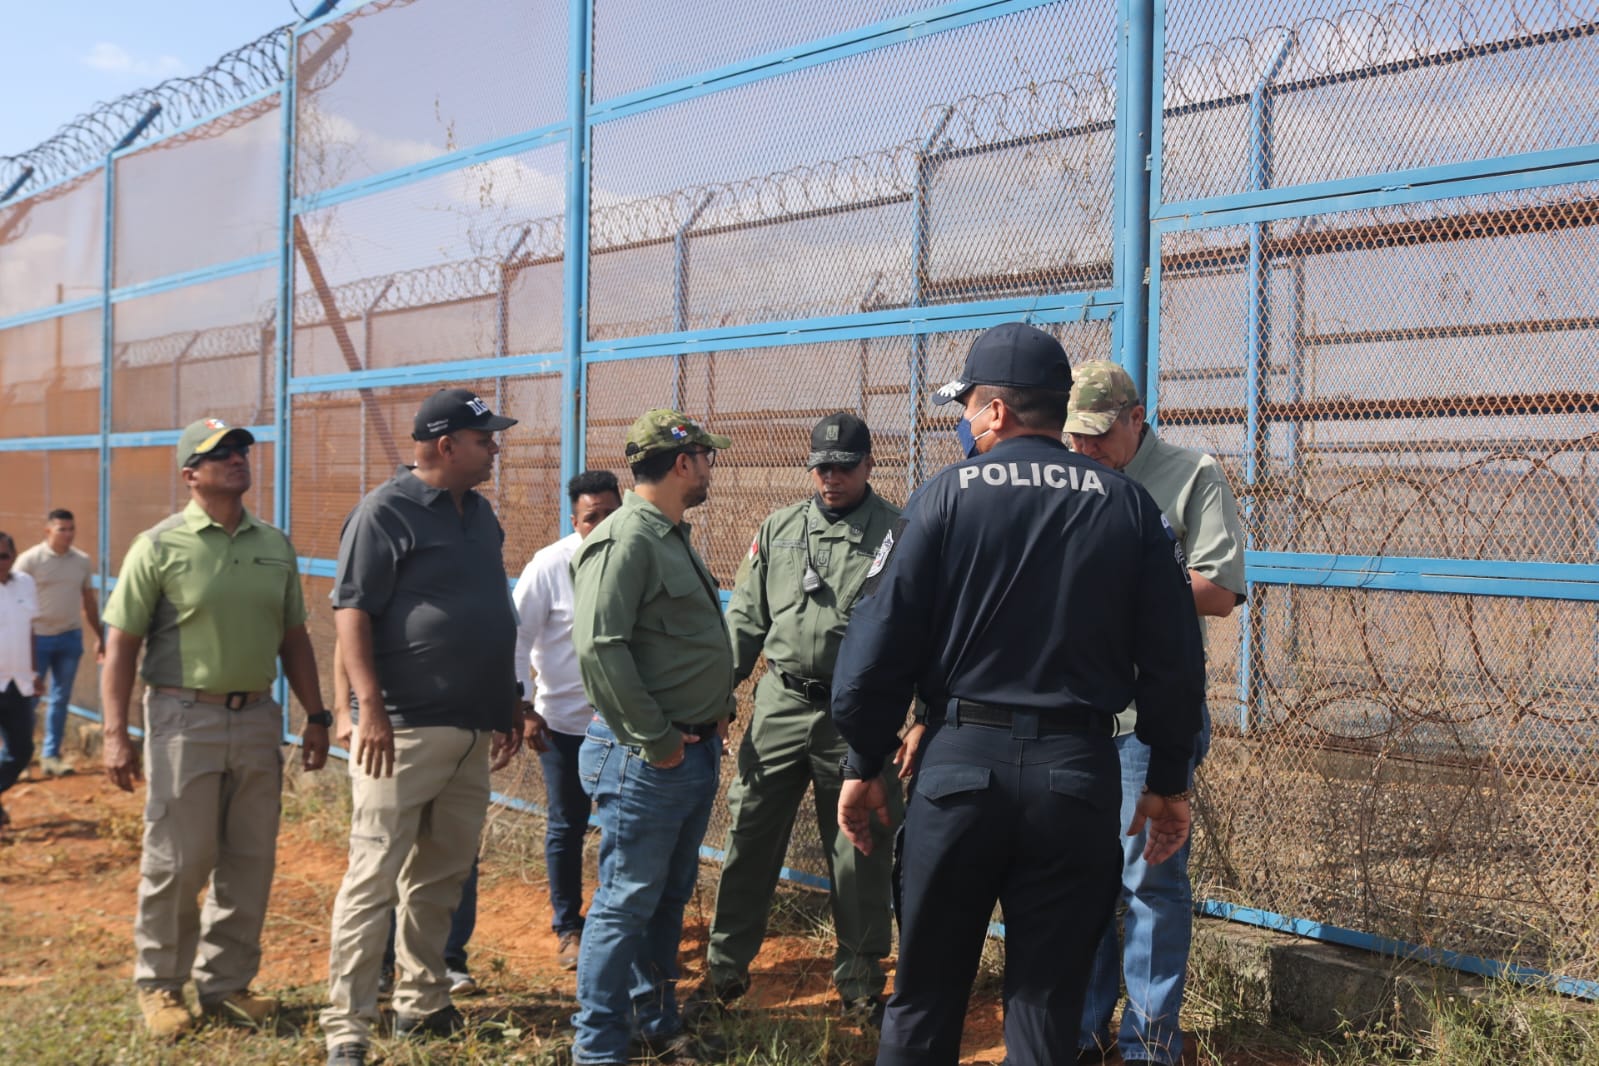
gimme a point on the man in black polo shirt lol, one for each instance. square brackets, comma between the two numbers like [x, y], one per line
[428, 636]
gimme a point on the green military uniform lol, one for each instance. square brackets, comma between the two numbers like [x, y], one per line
[647, 625]
[791, 742]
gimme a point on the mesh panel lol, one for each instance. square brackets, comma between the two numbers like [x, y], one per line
[397, 82]
[50, 376]
[1417, 397]
[52, 245]
[207, 196]
[1424, 390]
[146, 487]
[201, 351]
[1437, 752]
[348, 443]
[1355, 92]
[637, 44]
[779, 223]
[416, 275]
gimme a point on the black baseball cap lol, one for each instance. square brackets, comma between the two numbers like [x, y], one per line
[841, 439]
[451, 409]
[1012, 355]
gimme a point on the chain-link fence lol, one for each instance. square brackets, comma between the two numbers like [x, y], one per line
[1344, 249]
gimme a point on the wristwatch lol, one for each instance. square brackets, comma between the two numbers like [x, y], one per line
[848, 771]
[321, 718]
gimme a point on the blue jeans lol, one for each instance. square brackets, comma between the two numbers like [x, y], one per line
[568, 809]
[58, 656]
[651, 825]
[1158, 926]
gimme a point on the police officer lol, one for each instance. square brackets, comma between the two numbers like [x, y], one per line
[1029, 594]
[792, 599]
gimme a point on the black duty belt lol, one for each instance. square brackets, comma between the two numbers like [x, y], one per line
[701, 730]
[1048, 723]
[815, 691]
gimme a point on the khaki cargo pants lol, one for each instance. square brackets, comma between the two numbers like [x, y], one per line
[413, 837]
[211, 815]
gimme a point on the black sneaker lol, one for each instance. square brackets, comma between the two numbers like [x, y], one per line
[347, 1055]
[444, 1022]
[864, 1010]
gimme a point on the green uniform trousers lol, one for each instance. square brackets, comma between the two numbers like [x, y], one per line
[791, 742]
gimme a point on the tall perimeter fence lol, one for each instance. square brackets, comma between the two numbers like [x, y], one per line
[1350, 252]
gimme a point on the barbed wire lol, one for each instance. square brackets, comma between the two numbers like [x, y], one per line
[1356, 39]
[245, 71]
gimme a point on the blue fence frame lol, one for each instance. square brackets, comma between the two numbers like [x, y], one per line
[1130, 300]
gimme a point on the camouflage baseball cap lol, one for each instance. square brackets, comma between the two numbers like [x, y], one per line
[841, 439]
[1101, 391]
[200, 437]
[663, 430]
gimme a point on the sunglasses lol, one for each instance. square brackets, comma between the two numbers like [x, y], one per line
[221, 453]
[709, 453]
[835, 468]
[4, 556]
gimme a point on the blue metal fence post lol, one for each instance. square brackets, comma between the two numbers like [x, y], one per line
[574, 329]
[921, 237]
[283, 451]
[1257, 340]
[1137, 65]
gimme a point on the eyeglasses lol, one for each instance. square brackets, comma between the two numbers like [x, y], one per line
[709, 453]
[221, 453]
[825, 469]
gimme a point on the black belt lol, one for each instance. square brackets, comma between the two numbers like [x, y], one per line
[815, 691]
[702, 730]
[1047, 723]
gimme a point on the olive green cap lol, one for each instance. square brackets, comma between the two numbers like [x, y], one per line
[1101, 391]
[664, 430]
[200, 437]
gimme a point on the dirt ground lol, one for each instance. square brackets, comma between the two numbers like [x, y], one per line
[70, 862]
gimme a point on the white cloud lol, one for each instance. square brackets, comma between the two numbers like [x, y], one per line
[114, 59]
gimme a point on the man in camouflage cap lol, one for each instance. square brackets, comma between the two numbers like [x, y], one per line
[657, 666]
[803, 573]
[1105, 421]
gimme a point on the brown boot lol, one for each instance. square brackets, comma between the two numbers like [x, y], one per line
[241, 1008]
[567, 951]
[165, 1015]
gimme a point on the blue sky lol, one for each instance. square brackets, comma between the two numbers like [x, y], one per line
[58, 59]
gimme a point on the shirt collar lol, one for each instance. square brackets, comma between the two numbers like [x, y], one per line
[652, 515]
[1146, 448]
[195, 519]
[415, 488]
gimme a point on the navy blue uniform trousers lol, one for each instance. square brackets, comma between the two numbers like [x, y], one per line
[1032, 823]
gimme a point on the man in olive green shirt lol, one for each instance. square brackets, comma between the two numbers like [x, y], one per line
[792, 600]
[654, 656]
[1105, 421]
[213, 595]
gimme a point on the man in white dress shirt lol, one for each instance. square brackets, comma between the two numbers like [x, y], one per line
[19, 680]
[543, 599]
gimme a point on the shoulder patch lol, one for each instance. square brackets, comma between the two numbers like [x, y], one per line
[880, 560]
[755, 547]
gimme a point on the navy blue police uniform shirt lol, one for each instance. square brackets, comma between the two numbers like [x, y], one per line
[1028, 578]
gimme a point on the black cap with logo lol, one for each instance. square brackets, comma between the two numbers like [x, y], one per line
[451, 409]
[1011, 355]
[842, 439]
